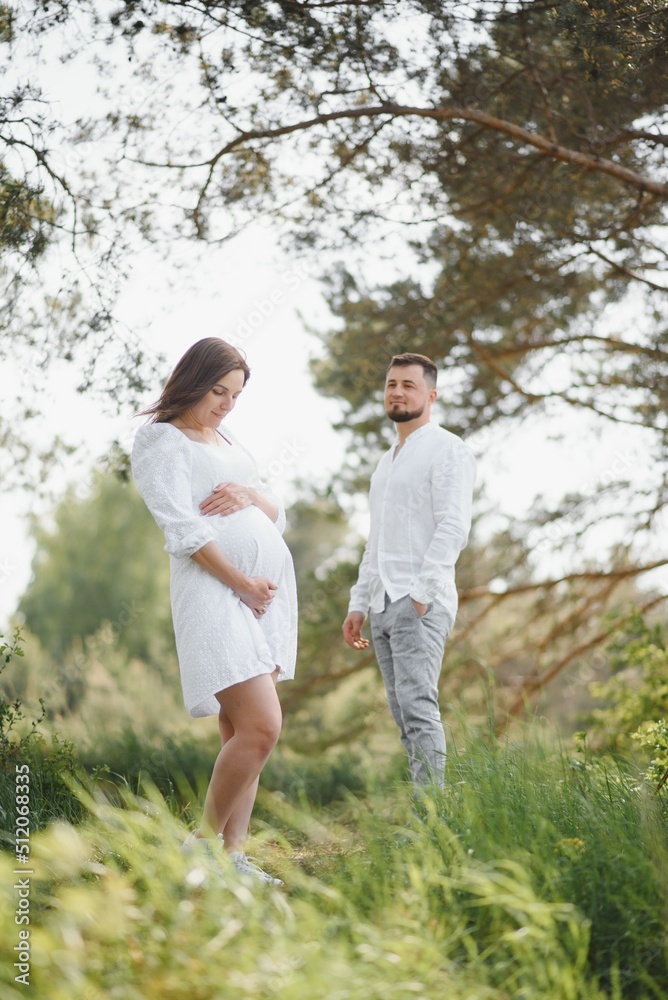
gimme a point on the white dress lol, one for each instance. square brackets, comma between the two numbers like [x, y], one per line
[219, 641]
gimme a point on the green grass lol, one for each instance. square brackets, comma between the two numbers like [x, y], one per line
[178, 761]
[50, 762]
[530, 876]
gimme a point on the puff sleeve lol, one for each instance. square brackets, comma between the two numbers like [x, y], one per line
[161, 467]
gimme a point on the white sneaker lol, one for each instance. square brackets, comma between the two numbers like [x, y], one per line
[244, 866]
[201, 852]
[213, 846]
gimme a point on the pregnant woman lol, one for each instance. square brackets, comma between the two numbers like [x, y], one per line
[233, 594]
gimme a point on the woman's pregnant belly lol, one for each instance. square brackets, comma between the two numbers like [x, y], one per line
[252, 542]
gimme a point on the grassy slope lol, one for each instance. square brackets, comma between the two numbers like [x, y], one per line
[530, 876]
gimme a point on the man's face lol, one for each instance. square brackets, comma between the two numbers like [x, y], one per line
[407, 394]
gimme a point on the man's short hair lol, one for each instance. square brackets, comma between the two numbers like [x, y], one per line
[427, 365]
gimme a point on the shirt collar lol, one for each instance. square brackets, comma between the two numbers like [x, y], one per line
[418, 433]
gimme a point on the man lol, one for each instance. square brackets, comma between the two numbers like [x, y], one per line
[420, 499]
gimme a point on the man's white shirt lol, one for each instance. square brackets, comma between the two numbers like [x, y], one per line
[420, 504]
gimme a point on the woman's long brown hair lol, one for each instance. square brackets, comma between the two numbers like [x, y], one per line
[203, 364]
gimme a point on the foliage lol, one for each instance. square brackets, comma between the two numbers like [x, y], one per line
[101, 560]
[317, 531]
[10, 712]
[523, 878]
[636, 691]
[653, 736]
[23, 743]
[62, 250]
[515, 150]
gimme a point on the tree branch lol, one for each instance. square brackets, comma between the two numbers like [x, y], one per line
[622, 572]
[531, 685]
[609, 343]
[552, 150]
[626, 270]
[639, 133]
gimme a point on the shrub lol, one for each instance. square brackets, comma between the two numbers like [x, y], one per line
[637, 690]
[48, 760]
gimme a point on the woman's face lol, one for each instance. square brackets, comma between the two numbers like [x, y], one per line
[219, 400]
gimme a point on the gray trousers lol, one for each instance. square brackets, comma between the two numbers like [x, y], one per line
[409, 650]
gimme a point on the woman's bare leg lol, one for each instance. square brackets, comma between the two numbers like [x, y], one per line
[236, 828]
[250, 723]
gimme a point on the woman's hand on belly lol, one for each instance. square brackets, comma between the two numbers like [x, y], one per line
[228, 498]
[257, 594]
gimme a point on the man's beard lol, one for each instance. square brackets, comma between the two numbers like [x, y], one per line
[402, 418]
